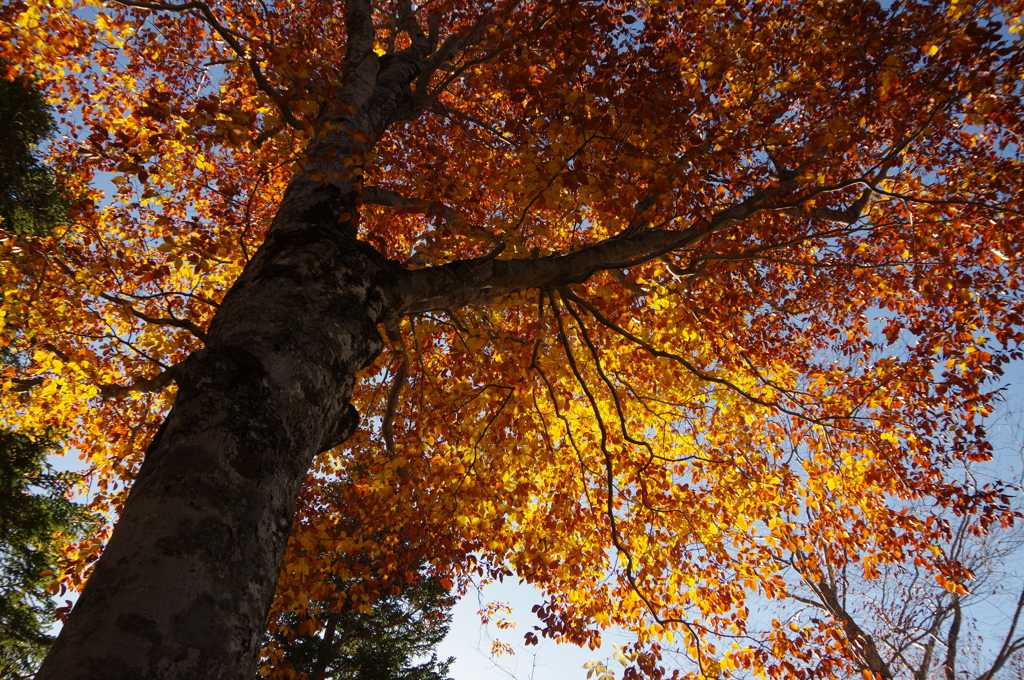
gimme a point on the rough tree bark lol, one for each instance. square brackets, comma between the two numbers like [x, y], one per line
[184, 587]
[186, 581]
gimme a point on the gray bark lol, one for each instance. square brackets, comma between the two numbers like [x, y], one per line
[185, 584]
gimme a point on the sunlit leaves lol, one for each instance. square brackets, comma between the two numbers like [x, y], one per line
[652, 446]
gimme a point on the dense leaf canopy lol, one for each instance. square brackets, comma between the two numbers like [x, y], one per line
[807, 218]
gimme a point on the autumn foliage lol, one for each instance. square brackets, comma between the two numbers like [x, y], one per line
[652, 444]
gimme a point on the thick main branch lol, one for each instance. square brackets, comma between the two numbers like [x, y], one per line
[468, 281]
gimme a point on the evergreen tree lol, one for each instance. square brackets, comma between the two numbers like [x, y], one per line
[390, 643]
[34, 505]
[34, 510]
[30, 198]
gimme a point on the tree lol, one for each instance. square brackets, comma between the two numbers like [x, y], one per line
[34, 510]
[904, 624]
[30, 200]
[353, 625]
[389, 643]
[35, 513]
[611, 247]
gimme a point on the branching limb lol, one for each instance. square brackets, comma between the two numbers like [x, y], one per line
[848, 216]
[171, 321]
[26, 384]
[601, 318]
[535, 365]
[462, 283]
[455, 220]
[155, 384]
[618, 540]
[949, 202]
[463, 117]
[863, 644]
[233, 39]
[407, 21]
[443, 55]
[637, 223]
[200, 298]
[388, 424]
[609, 501]
[392, 199]
[1013, 643]
[616, 399]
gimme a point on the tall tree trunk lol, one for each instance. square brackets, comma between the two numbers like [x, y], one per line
[327, 649]
[185, 584]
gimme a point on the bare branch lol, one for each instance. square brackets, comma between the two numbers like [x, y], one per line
[953, 639]
[1010, 645]
[26, 384]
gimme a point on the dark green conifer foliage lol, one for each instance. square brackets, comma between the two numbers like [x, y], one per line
[34, 509]
[394, 642]
[34, 505]
[30, 198]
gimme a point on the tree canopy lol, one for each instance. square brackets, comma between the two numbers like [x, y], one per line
[658, 306]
